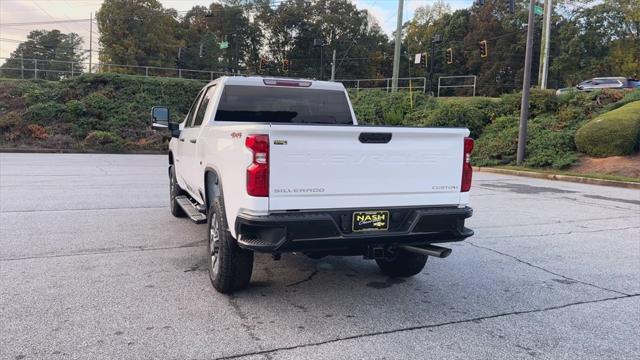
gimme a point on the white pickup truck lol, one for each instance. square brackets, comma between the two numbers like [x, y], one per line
[280, 165]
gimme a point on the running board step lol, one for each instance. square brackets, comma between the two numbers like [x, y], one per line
[191, 210]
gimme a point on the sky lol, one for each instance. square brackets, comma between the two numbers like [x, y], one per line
[18, 11]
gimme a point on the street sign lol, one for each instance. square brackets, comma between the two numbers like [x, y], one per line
[417, 59]
[223, 44]
[538, 10]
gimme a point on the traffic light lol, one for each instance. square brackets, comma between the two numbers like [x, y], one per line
[449, 56]
[263, 64]
[484, 50]
[285, 65]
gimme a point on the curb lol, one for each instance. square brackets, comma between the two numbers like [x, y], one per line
[71, 151]
[558, 177]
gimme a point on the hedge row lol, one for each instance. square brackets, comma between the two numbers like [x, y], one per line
[104, 112]
[494, 122]
[110, 112]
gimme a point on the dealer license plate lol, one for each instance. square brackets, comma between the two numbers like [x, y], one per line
[370, 220]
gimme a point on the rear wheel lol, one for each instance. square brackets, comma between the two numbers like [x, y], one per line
[403, 265]
[230, 266]
[174, 191]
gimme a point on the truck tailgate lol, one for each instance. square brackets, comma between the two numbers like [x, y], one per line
[330, 167]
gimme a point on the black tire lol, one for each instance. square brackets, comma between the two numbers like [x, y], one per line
[405, 264]
[174, 191]
[229, 266]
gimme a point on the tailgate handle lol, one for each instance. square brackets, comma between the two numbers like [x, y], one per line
[375, 138]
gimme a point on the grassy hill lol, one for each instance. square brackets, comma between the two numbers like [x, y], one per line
[91, 112]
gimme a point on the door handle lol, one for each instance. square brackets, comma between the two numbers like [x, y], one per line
[374, 138]
[182, 139]
[193, 141]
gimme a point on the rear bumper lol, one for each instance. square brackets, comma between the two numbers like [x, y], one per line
[330, 230]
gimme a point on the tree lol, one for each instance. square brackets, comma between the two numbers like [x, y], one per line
[292, 27]
[200, 49]
[138, 32]
[596, 40]
[57, 54]
[505, 33]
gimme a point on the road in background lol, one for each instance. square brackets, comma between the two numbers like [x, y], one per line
[93, 265]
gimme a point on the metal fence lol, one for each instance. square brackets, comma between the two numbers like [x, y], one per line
[417, 83]
[24, 68]
[56, 69]
[464, 83]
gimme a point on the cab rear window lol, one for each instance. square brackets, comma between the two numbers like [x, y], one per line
[283, 105]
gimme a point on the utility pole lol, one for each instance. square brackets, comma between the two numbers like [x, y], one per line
[320, 43]
[544, 49]
[322, 62]
[396, 51]
[90, 40]
[333, 66]
[437, 39]
[526, 85]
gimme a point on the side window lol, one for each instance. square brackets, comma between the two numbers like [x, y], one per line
[202, 109]
[192, 110]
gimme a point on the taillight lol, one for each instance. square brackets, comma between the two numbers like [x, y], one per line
[467, 170]
[258, 171]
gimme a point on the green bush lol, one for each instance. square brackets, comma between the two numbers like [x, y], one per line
[378, 107]
[44, 113]
[498, 143]
[614, 133]
[35, 92]
[540, 102]
[86, 124]
[550, 142]
[629, 97]
[105, 141]
[75, 108]
[460, 114]
[98, 105]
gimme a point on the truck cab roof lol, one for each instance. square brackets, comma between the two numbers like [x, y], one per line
[278, 82]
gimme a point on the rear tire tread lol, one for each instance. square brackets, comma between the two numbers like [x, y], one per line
[236, 264]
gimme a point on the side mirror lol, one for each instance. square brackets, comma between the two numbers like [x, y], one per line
[160, 117]
[160, 120]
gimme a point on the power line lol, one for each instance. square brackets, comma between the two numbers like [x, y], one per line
[47, 13]
[30, 23]
[16, 41]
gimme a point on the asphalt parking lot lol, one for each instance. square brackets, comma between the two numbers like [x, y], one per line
[93, 266]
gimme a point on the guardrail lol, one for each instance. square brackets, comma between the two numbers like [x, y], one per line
[57, 69]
